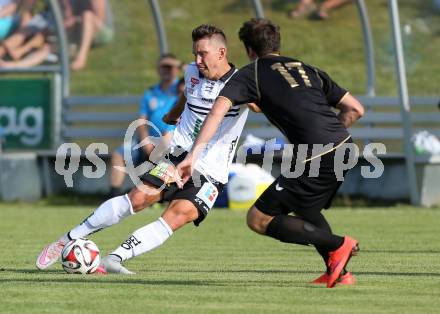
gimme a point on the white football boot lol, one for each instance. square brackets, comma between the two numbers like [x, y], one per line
[112, 265]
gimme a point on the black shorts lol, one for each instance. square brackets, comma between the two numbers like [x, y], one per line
[200, 190]
[305, 193]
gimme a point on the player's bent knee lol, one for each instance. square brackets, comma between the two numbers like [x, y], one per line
[143, 198]
[257, 221]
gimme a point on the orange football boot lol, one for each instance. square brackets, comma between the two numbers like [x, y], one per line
[339, 258]
[346, 279]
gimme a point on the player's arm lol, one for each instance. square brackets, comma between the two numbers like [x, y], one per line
[209, 127]
[172, 117]
[142, 130]
[143, 134]
[351, 110]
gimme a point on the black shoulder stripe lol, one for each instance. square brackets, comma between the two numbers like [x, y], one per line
[199, 112]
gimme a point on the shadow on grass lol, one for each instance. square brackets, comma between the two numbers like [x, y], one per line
[30, 271]
[133, 280]
[264, 271]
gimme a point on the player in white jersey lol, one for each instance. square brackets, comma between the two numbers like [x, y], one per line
[204, 79]
[200, 93]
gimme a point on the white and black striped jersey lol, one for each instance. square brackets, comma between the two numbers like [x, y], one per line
[201, 93]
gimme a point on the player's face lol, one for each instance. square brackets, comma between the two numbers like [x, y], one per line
[168, 72]
[208, 54]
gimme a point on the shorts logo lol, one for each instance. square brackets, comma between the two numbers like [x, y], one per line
[278, 187]
[208, 194]
[163, 171]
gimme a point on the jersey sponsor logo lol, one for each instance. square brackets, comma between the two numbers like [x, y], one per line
[208, 194]
[209, 86]
[208, 100]
[194, 82]
[196, 130]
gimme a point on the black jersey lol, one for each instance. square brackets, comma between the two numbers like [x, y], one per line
[295, 97]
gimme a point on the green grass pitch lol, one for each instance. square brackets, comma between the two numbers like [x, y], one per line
[222, 267]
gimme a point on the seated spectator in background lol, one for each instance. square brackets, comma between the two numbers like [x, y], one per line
[30, 45]
[309, 8]
[91, 22]
[8, 18]
[156, 102]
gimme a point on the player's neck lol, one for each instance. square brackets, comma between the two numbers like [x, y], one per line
[222, 70]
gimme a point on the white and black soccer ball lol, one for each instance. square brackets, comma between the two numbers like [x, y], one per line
[80, 256]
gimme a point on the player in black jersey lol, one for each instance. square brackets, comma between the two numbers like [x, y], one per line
[297, 98]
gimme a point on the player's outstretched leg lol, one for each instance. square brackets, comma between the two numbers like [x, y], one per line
[107, 214]
[149, 237]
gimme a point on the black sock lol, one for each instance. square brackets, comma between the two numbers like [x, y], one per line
[319, 221]
[292, 229]
[317, 218]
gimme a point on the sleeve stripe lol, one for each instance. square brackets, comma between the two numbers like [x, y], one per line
[256, 79]
[342, 98]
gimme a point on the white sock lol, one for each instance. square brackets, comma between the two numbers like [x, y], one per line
[144, 240]
[109, 213]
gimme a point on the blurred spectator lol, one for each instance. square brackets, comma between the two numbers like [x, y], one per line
[90, 22]
[8, 18]
[311, 9]
[156, 102]
[30, 44]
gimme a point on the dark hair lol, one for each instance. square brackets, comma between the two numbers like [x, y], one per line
[208, 31]
[261, 35]
[168, 55]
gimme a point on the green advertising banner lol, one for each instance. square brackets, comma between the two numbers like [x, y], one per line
[26, 110]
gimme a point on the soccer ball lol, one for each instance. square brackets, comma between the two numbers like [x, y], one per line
[80, 256]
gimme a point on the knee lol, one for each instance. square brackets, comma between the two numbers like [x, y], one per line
[141, 199]
[257, 221]
[179, 214]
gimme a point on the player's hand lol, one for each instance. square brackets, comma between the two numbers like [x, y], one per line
[252, 106]
[184, 171]
[168, 119]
